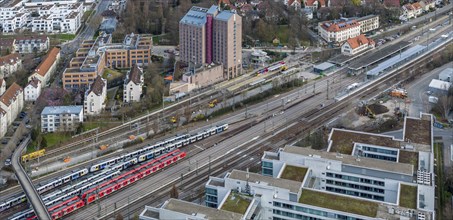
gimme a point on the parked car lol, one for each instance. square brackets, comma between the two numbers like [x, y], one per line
[4, 141]
[8, 162]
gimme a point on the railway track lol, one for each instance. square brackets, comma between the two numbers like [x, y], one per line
[316, 120]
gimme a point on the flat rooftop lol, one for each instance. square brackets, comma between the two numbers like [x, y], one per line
[370, 163]
[338, 202]
[194, 209]
[294, 173]
[291, 185]
[377, 55]
[343, 140]
[418, 130]
[237, 203]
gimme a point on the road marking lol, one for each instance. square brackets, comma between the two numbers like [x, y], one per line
[198, 147]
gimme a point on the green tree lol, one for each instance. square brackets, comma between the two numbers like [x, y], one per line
[43, 142]
[35, 133]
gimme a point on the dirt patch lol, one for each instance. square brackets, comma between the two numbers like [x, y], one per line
[375, 108]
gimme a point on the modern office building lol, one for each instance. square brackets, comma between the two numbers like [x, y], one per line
[61, 118]
[360, 176]
[212, 36]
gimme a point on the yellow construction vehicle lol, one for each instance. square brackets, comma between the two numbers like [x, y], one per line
[284, 68]
[67, 159]
[213, 103]
[369, 113]
[173, 120]
[103, 147]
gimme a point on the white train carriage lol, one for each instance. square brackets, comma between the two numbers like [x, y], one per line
[22, 215]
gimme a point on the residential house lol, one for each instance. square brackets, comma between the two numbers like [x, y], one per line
[427, 5]
[47, 67]
[338, 31]
[3, 123]
[32, 90]
[296, 4]
[31, 44]
[315, 4]
[7, 45]
[61, 118]
[10, 64]
[418, 9]
[12, 102]
[2, 86]
[133, 85]
[95, 97]
[357, 45]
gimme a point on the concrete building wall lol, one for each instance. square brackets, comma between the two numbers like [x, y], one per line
[192, 43]
[227, 43]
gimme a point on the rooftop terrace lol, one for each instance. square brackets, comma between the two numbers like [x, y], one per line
[417, 130]
[340, 203]
[236, 203]
[370, 163]
[294, 173]
[343, 140]
[408, 196]
[292, 186]
[195, 209]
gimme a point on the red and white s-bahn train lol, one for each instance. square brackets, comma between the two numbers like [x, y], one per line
[95, 191]
[143, 154]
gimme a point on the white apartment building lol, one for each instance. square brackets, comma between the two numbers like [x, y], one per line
[32, 90]
[18, 22]
[64, 18]
[47, 67]
[95, 97]
[368, 23]
[133, 85]
[357, 45]
[2, 86]
[10, 14]
[61, 118]
[12, 102]
[340, 30]
[10, 64]
[31, 44]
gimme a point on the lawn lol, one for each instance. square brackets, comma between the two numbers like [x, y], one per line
[87, 14]
[236, 203]
[64, 37]
[408, 196]
[56, 138]
[294, 173]
[340, 203]
[110, 74]
[282, 34]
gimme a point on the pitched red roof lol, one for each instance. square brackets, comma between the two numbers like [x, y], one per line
[97, 86]
[358, 41]
[416, 6]
[10, 94]
[9, 59]
[339, 26]
[45, 65]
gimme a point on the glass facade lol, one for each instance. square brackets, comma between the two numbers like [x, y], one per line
[300, 210]
[211, 197]
[267, 168]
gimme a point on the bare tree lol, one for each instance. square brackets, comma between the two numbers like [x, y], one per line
[445, 103]
[119, 217]
[174, 192]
